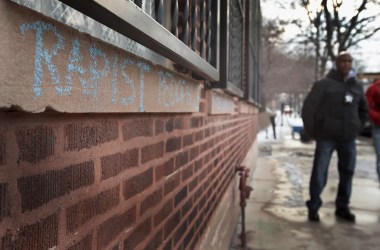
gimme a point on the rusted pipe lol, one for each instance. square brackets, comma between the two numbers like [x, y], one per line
[245, 192]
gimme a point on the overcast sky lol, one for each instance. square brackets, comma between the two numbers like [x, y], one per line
[369, 51]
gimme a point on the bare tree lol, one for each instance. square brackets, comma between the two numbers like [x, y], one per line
[330, 31]
[283, 71]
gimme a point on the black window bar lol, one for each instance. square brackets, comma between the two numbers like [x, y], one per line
[252, 32]
[231, 47]
[179, 42]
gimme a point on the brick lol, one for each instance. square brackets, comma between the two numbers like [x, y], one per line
[203, 93]
[206, 159]
[4, 201]
[180, 196]
[169, 125]
[137, 127]
[193, 184]
[172, 183]
[80, 136]
[168, 245]
[193, 214]
[188, 238]
[181, 159]
[187, 172]
[199, 135]
[202, 202]
[112, 227]
[198, 193]
[210, 143]
[188, 140]
[138, 235]
[150, 201]
[115, 164]
[203, 174]
[180, 123]
[165, 169]
[172, 222]
[179, 232]
[194, 152]
[80, 213]
[155, 242]
[43, 234]
[195, 122]
[159, 126]
[202, 107]
[35, 144]
[2, 148]
[164, 212]
[37, 190]
[186, 208]
[152, 152]
[195, 237]
[138, 183]
[173, 144]
[204, 147]
[85, 243]
[198, 222]
[116, 247]
[207, 132]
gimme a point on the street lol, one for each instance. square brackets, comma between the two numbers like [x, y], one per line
[276, 216]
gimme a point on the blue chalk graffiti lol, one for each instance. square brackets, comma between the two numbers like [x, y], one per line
[124, 100]
[44, 54]
[162, 87]
[74, 66]
[131, 98]
[91, 87]
[172, 92]
[143, 68]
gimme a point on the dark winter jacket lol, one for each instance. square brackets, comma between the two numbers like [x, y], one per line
[334, 109]
[373, 98]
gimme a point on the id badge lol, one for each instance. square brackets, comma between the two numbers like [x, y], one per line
[348, 98]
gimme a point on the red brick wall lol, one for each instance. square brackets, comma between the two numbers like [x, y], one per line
[115, 181]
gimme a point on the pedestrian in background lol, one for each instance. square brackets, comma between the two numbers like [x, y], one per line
[333, 113]
[272, 118]
[373, 98]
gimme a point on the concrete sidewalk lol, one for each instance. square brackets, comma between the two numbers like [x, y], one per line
[276, 216]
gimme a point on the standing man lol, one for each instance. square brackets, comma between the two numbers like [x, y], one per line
[373, 98]
[333, 113]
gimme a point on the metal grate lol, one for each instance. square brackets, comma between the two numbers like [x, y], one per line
[140, 27]
[235, 44]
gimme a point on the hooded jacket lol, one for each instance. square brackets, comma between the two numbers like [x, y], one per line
[334, 109]
[373, 98]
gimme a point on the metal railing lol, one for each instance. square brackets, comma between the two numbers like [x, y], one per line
[171, 31]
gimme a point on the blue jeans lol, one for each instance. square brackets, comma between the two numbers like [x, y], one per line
[346, 166]
[376, 144]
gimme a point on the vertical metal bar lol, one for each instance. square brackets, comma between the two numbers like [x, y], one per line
[185, 21]
[194, 16]
[208, 36]
[138, 3]
[159, 10]
[174, 15]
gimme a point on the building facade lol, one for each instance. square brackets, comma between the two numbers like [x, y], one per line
[122, 122]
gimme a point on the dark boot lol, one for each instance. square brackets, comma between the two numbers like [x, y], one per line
[313, 215]
[345, 214]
